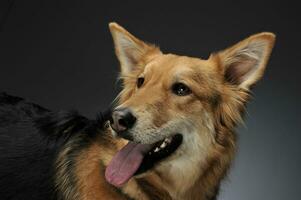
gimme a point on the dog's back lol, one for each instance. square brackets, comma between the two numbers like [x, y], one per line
[27, 156]
[31, 138]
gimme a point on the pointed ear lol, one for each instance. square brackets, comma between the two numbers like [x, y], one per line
[129, 49]
[244, 63]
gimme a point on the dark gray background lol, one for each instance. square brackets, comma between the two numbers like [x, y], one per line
[59, 54]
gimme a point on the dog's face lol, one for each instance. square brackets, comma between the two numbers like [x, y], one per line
[171, 106]
[170, 94]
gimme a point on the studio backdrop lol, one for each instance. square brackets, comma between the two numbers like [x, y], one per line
[60, 54]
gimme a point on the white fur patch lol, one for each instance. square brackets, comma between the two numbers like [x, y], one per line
[189, 157]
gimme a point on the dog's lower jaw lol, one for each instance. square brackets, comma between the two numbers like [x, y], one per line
[194, 176]
[171, 176]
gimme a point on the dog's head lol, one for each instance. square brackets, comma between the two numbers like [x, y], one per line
[177, 110]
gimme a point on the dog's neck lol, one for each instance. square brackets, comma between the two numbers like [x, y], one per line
[162, 185]
[195, 178]
[156, 186]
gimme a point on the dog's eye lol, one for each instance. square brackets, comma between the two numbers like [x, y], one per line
[180, 89]
[140, 82]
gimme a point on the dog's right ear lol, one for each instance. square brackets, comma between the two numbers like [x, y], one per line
[129, 49]
[244, 63]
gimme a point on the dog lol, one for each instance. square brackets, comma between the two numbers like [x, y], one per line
[170, 136]
[178, 114]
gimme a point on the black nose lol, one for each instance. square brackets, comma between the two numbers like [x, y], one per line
[122, 119]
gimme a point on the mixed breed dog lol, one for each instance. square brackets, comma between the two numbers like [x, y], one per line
[170, 136]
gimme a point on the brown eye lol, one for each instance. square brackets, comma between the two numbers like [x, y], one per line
[140, 82]
[180, 89]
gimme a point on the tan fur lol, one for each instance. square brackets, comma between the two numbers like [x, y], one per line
[64, 180]
[90, 179]
[206, 118]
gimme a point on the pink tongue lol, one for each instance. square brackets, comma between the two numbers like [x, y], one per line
[125, 163]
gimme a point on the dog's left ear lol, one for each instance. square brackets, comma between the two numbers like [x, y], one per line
[244, 63]
[129, 49]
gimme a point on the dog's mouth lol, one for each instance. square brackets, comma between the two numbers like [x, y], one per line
[136, 158]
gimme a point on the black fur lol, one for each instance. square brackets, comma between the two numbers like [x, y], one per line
[30, 139]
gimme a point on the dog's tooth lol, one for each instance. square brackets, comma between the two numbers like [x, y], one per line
[168, 140]
[157, 149]
[163, 145]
